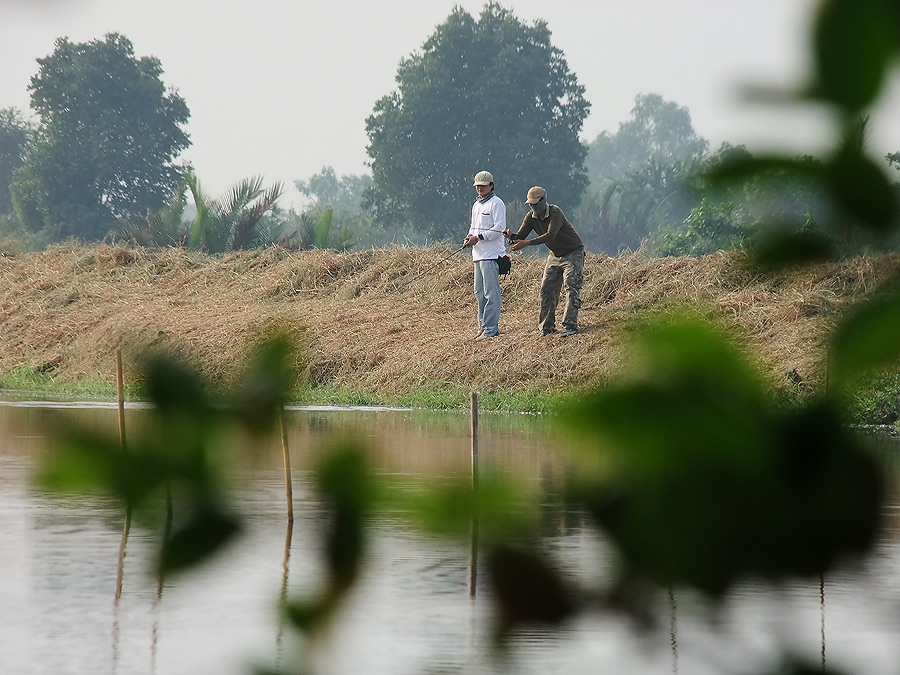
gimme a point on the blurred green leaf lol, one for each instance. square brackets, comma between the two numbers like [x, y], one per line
[824, 496]
[263, 388]
[86, 462]
[449, 508]
[740, 167]
[776, 248]
[855, 41]
[868, 338]
[306, 615]
[683, 374]
[345, 484]
[175, 390]
[527, 589]
[204, 533]
[176, 455]
[708, 483]
[861, 188]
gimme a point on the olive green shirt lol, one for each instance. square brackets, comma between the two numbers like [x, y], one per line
[554, 231]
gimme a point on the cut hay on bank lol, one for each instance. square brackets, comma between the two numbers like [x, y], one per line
[374, 323]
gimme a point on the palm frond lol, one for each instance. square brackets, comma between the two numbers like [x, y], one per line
[247, 219]
[197, 237]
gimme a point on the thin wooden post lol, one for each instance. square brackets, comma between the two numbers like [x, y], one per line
[120, 388]
[473, 549]
[474, 440]
[288, 488]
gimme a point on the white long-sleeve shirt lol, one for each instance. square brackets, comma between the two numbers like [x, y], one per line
[488, 223]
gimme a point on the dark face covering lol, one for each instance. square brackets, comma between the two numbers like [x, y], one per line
[539, 209]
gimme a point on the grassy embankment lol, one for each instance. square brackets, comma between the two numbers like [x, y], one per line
[375, 334]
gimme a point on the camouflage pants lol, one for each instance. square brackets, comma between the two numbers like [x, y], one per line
[569, 270]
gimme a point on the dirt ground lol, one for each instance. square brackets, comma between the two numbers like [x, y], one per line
[374, 323]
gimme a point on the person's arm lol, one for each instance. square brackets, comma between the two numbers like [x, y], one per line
[524, 230]
[556, 222]
[527, 227]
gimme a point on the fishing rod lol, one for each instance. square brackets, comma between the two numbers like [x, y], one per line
[438, 263]
[443, 260]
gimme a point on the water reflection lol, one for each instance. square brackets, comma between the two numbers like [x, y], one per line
[673, 629]
[66, 578]
[283, 595]
[822, 604]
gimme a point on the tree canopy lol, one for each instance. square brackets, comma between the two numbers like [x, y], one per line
[642, 175]
[488, 94]
[658, 131]
[15, 135]
[104, 148]
[326, 188]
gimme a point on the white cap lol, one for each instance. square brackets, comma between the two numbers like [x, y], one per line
[483, 178]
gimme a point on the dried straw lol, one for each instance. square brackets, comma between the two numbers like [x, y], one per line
[375, 325]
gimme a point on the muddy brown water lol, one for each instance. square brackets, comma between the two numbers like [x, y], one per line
[412, 612]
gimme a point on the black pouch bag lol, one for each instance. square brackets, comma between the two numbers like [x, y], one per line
[505, 264]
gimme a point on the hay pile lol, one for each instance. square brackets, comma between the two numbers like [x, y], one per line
[374, 325]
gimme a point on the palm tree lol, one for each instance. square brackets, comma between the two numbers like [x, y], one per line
[230, 223]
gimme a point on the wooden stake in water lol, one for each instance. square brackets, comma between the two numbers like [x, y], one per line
[473, 550]
[120, 387]
[287, 466]
[474, 439]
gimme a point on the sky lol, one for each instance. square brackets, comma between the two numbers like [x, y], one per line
[282, 88]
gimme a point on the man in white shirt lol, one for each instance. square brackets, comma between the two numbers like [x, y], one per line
[485, 238]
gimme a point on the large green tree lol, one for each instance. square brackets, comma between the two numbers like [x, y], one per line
[15, 135]
[491, 93]
[105, 146]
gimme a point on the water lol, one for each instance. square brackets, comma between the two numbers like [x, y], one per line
[412, 612]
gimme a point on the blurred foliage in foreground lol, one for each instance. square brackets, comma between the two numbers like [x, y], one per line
[704, 484]
[707, 482]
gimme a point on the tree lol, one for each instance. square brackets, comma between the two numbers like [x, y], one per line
[104, 148]
[232, 222]
[658, 131]
[328, 190]
[489, 94]
[15, 136]
[893, 159]
[642, 176]
[736, 214]
[709, 228]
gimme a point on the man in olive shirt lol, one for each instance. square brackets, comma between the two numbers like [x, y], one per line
[565, 264]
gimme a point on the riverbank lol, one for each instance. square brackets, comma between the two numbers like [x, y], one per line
[375, 332]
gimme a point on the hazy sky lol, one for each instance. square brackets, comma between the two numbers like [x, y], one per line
[281, 88]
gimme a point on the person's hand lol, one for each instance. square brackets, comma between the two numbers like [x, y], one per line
[519, 245]
[506, 233]
[470, 240]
